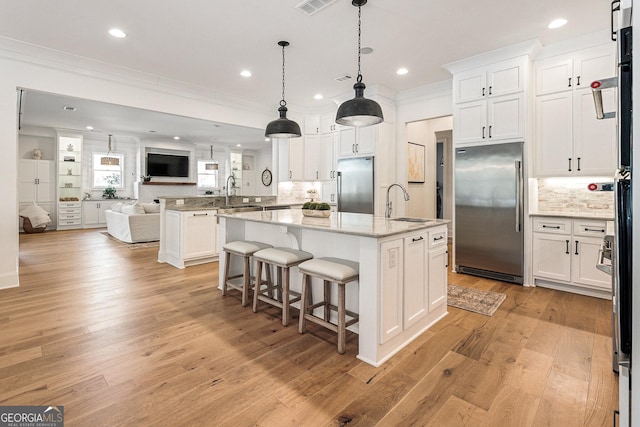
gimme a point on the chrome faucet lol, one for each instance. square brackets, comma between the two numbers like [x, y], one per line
[233, 179]
[387, 211]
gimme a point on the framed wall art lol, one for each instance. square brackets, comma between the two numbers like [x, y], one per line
[415, 162]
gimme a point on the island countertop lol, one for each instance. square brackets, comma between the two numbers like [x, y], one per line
[339, 222]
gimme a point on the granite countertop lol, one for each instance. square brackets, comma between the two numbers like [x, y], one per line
[189, 208]
[339, 222]
[597, 216]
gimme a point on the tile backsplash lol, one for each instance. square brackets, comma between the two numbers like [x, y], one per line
[570, 195]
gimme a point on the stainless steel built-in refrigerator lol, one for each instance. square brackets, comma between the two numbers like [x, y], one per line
[489, 238]
[355, 185]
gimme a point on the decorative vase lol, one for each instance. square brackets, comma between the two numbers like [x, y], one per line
[37, 154]
[316, 213]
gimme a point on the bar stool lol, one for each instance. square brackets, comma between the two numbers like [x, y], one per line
[283, 259]
[245, 249]
[335, 270]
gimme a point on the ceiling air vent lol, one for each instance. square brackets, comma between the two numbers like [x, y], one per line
[311, 7]
[343, 78]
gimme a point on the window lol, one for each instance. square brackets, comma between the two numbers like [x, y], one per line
[207, 174]
[107, 170]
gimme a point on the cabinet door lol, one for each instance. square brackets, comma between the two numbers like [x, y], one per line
[552, 256]
[102, 208]
[583, 267]
[347, 141]
[327, 123]
[506, 117]
[416, 273]
[198, 234]
[327, 159]
[311, 125]
[554, 75]
[391, 279]
[438, 262]
[28, 181]
[470, 122]
[90, 213]
[554, 135]
[506, 77]
[296, 159]
[366, 140]
[593, 64]
[469, 85]
[311, 171]
[595, 149]
[46, 181]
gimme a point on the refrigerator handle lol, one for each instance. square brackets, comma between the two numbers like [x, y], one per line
[518, 194]
[339, 188]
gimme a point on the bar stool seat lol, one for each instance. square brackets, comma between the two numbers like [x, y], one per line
[336, 270]
[244, 249]
[283, 259]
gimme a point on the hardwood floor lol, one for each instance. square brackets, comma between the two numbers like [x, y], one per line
[121, 340]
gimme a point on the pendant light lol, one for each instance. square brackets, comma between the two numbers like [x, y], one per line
[109, 161]
[282, 127]
[211, 166]
[359, 111]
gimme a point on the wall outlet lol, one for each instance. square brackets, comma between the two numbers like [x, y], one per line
[258, 199]
[245, 200]
[180, 202]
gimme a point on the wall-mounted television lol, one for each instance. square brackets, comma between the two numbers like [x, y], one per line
[167, 165]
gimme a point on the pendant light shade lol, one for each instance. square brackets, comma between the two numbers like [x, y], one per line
[359, 111]
[282, 127]
[109, 161]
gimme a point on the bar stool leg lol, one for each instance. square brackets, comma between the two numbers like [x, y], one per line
[304, 302]
[327, 300]
[256, 289]
[285, 297]
[341, 318]
[226, 272]
[245, 284]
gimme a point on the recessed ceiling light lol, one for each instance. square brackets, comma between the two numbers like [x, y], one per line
[116, 32]
[402, 71]
[239, 145]
[557, 23]
[152, 131]
[89, 127]
[267, 139]
[245, 73]
[68, 108]
[176, 138]
[318, 96]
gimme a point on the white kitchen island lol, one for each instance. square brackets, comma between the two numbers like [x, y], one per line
[402, 290]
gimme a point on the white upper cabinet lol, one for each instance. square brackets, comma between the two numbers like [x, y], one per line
[575, 71]
[569, 140]
[494, 80]
[490, 102]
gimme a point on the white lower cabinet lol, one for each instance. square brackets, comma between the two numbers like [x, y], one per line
[69, 215]
[191, 237]
[93, 213]
[565, 254]
[413, 279]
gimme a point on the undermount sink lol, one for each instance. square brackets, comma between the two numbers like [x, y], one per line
[406, 219]
[237, 209]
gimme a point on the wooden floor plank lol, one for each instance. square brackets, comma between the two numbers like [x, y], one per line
[120, 339]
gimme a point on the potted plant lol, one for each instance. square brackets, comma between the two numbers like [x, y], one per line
[110, 191]
[145, 178]
[319, 209]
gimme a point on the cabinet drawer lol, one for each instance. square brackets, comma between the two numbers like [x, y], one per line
[63, 222]
[69, 205]
[437, 238]
[589, 228]
[552, 225]
[62, 211]
[67, 216]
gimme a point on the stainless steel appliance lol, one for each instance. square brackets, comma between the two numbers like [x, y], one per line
[355, 185]
[489, 238]
[621, 253]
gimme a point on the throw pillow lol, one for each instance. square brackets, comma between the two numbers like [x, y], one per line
[37, 216]
[151, 207]
[116, 207]
[134, 209]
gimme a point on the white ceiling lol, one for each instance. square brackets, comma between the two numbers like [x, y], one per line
[207, 43]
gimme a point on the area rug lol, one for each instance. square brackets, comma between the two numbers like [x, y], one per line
[475, 300]
[132, 245]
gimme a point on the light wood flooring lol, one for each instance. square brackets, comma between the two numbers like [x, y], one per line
[121, 340]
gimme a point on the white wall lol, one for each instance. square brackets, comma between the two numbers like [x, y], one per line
[23, 66]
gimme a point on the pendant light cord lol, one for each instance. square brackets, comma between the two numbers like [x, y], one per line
[359, 78]
[283, 102]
